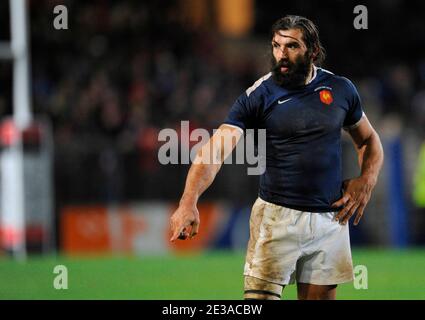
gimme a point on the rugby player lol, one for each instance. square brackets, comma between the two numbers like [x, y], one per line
[299, 222]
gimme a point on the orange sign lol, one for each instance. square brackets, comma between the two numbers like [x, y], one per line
[133, 229]
[85, 229]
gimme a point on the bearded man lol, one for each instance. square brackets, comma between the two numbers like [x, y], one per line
[298, 223]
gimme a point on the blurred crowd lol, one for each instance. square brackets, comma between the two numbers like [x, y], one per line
[112, 81]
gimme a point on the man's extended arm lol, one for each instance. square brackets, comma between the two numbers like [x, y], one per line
[185, 220]
[357, 191]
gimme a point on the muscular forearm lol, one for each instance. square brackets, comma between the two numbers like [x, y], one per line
[185, 220]
[371, 157]
[199, 178]
[357, 192]
[208, 162]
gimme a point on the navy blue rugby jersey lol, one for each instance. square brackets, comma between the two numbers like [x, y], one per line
[303, 131]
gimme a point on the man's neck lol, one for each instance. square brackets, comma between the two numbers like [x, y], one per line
[310, 75]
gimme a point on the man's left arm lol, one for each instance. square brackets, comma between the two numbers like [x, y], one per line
[357, 191]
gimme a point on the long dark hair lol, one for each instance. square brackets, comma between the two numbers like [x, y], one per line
[310, 35]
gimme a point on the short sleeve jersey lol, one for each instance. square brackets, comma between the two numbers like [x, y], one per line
[303, 137]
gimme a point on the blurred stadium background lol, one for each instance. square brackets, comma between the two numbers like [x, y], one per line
[96, 198]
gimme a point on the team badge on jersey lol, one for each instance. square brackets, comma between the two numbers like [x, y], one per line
[326, 97]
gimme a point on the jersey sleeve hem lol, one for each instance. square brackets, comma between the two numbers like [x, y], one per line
[234, 125]
[355, 125]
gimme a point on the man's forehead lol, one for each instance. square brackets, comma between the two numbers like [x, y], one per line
[291, 34]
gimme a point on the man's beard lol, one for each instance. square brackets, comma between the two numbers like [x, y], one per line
[296, 74]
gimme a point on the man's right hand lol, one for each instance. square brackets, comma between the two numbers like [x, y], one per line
[184, 222]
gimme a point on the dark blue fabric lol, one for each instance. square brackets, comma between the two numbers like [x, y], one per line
[304, 169]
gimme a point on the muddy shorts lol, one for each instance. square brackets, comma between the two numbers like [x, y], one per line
[287, 245]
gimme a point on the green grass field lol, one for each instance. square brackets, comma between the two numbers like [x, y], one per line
[215, 275]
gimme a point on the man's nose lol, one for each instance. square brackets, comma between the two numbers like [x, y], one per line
[282, 53]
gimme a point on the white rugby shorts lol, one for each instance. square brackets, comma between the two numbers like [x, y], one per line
[287, 245]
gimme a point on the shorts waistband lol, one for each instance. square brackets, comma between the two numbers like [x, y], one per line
[301, 208]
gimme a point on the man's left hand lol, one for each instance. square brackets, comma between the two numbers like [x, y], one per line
[356, 195]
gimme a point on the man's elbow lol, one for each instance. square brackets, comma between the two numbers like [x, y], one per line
[376, 145]
[371, 139]
[371, 143]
